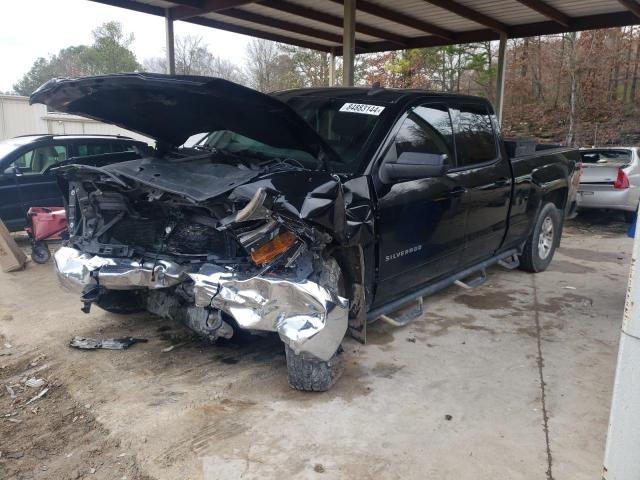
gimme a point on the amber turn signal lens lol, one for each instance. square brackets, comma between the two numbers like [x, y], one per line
[273, 248]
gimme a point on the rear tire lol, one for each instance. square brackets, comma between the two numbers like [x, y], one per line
[543, 241]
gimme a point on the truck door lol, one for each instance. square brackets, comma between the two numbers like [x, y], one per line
[420, 221]
[486, 178]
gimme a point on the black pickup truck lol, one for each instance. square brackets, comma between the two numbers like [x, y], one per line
[309, 213]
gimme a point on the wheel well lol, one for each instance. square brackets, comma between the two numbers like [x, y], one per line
[558, 197]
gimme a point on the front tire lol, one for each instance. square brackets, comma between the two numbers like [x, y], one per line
[123, 302]
[543, 241]
[307, 373]
[312, 375]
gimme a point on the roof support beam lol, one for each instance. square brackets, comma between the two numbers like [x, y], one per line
[349, 43]
[208, 22]
[189, 3]
[470, 14]
[588, 22]
[171, 56]
[322, 17]
[632, 6]
[500, 80]
[274, 37]
[206, 6]
[548, 11]
[402, 19]
[281, 24]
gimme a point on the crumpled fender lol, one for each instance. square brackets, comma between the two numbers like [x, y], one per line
[342, 209]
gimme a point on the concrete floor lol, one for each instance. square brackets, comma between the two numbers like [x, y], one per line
[508, 381]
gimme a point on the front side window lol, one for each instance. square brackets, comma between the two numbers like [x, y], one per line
[475, 138]
[427, 129]
[40, 159]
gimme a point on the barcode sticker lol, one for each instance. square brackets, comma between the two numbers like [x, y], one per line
[362, 108]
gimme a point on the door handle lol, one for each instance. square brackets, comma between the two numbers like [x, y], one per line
[457, 192]
[502, 182]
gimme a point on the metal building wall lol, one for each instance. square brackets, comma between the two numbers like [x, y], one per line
[17, 117]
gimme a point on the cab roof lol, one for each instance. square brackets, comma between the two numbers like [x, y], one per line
[369, 94]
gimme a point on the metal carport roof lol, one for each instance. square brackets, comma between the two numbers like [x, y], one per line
[383, 25]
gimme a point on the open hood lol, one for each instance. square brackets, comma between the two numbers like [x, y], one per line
[171, 108]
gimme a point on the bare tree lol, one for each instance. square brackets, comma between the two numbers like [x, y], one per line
[194, 58]
[262, 56]
[573, 75]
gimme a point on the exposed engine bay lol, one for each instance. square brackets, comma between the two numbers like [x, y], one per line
[246, 230]
[222, 249]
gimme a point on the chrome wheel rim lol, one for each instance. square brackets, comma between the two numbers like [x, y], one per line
[545, 239]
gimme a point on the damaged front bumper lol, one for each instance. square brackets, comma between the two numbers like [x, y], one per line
[309, 318]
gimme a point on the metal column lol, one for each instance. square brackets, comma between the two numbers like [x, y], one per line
[349, 43]
[332, 68]
[622, 453]
[171, 57]
[502, 67]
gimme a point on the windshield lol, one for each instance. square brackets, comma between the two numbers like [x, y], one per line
[618, 157]
[345, 126]
[233, 143]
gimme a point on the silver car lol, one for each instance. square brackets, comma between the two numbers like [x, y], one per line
[610, 179]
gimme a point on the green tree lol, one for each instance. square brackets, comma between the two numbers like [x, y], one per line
[110, 53]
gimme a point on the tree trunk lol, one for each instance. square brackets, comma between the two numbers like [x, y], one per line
[634, 82]
[540, 92]
[559, 80]
[573, 76]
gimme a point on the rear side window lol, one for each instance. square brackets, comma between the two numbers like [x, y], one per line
[427, 129]
[475, 138]
[122, 147]
[86, 149]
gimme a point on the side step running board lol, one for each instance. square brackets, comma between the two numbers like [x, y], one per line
[510, 263]
[406, 318]
[439, 285]
[475, 282]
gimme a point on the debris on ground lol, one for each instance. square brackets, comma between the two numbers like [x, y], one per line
[10, 391]
[172, 347]
[448, 417]
[105, 343]
[40, 395]
[35, 382]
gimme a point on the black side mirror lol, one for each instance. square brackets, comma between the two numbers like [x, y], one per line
[11, 171]
[414, 165]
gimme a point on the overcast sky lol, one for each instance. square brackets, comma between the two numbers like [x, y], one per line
[37, 28]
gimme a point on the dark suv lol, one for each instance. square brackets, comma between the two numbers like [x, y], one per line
[25, 161]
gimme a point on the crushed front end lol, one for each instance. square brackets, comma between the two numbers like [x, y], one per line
[216, 246]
